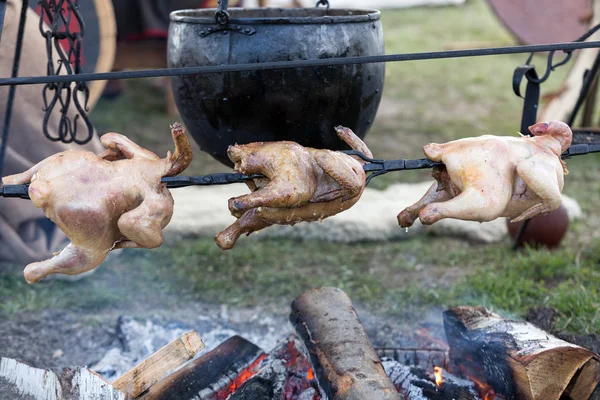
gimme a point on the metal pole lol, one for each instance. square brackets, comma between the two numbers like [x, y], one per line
[11, 91]
[2, 12]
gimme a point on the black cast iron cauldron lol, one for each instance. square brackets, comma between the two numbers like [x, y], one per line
[302, 104]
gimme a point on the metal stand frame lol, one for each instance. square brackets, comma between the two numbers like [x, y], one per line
[15, 72]
[531, 99]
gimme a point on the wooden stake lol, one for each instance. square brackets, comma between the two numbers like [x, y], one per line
[138, 379]
[341, 354]
[517, 359]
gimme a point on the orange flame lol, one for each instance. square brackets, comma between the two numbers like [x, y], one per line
[439, 376]
[485, 391]
[243, 376]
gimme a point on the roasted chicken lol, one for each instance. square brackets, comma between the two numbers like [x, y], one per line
[103, 202]
[300, 184]
[487, 177]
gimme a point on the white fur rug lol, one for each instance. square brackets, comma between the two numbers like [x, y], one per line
[202, 211]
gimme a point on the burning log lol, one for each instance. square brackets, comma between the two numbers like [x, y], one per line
[255, 388]
[342, 356]
[416, 384]
[138, 379]
[285, 373]
[215, 375]
[424, 358]
[517, 359]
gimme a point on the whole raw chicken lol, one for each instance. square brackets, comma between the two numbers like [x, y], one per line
[488, 177]
[301, 184]
[103, 202]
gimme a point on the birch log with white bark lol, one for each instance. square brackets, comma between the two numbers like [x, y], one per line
[517, 359]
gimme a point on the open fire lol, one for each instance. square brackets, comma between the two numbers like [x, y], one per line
[439, 376]
[485, 391]
[485, 357]
[332, 358]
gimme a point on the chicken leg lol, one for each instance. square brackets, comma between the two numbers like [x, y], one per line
[441, 190]
[72, 260]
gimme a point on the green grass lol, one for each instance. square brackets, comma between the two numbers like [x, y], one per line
[423, 101]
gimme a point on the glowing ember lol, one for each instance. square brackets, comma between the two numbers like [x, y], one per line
[439, 378]
[301, 376]
[485, 391]
[240, 379]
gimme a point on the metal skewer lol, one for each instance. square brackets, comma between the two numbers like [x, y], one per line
[376, 166]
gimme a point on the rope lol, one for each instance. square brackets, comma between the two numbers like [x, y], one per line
[434, 55]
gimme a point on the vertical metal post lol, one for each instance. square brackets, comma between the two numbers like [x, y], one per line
[588, 81]
[11, 90]
[530, 108]
[2, 12]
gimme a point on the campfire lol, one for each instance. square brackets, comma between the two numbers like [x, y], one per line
[485, 357]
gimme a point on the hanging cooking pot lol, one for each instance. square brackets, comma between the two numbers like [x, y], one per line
[302, 104]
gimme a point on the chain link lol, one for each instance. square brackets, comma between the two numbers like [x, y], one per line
[65, 39]
[221, 15]
[323, 3]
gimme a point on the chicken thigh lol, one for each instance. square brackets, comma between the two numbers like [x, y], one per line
[487, 177]
[103, 202]
[300, 184]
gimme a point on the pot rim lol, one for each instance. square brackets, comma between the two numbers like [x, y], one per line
[206, 16]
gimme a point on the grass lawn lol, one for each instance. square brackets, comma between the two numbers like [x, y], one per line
[423, 101]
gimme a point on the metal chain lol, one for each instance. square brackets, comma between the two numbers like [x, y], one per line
[65, 36]
[323, 3]
[221, 15]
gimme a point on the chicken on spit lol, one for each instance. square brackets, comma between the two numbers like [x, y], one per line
[300, 184]
[103, 202]
[487, 177]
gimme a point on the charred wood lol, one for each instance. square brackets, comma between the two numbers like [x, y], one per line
[345, 363]
[141, 377]
[206, 376]
[289, 368]
[417, 384]
[425, 358]
[518, 360]
[255, 388]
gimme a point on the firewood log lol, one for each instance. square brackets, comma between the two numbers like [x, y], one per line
[138, 379]
[517, 359]
[22, 382]
[208, 374]
[342, 356]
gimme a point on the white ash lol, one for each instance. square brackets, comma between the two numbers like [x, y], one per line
[138, 339]
[309, 394]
